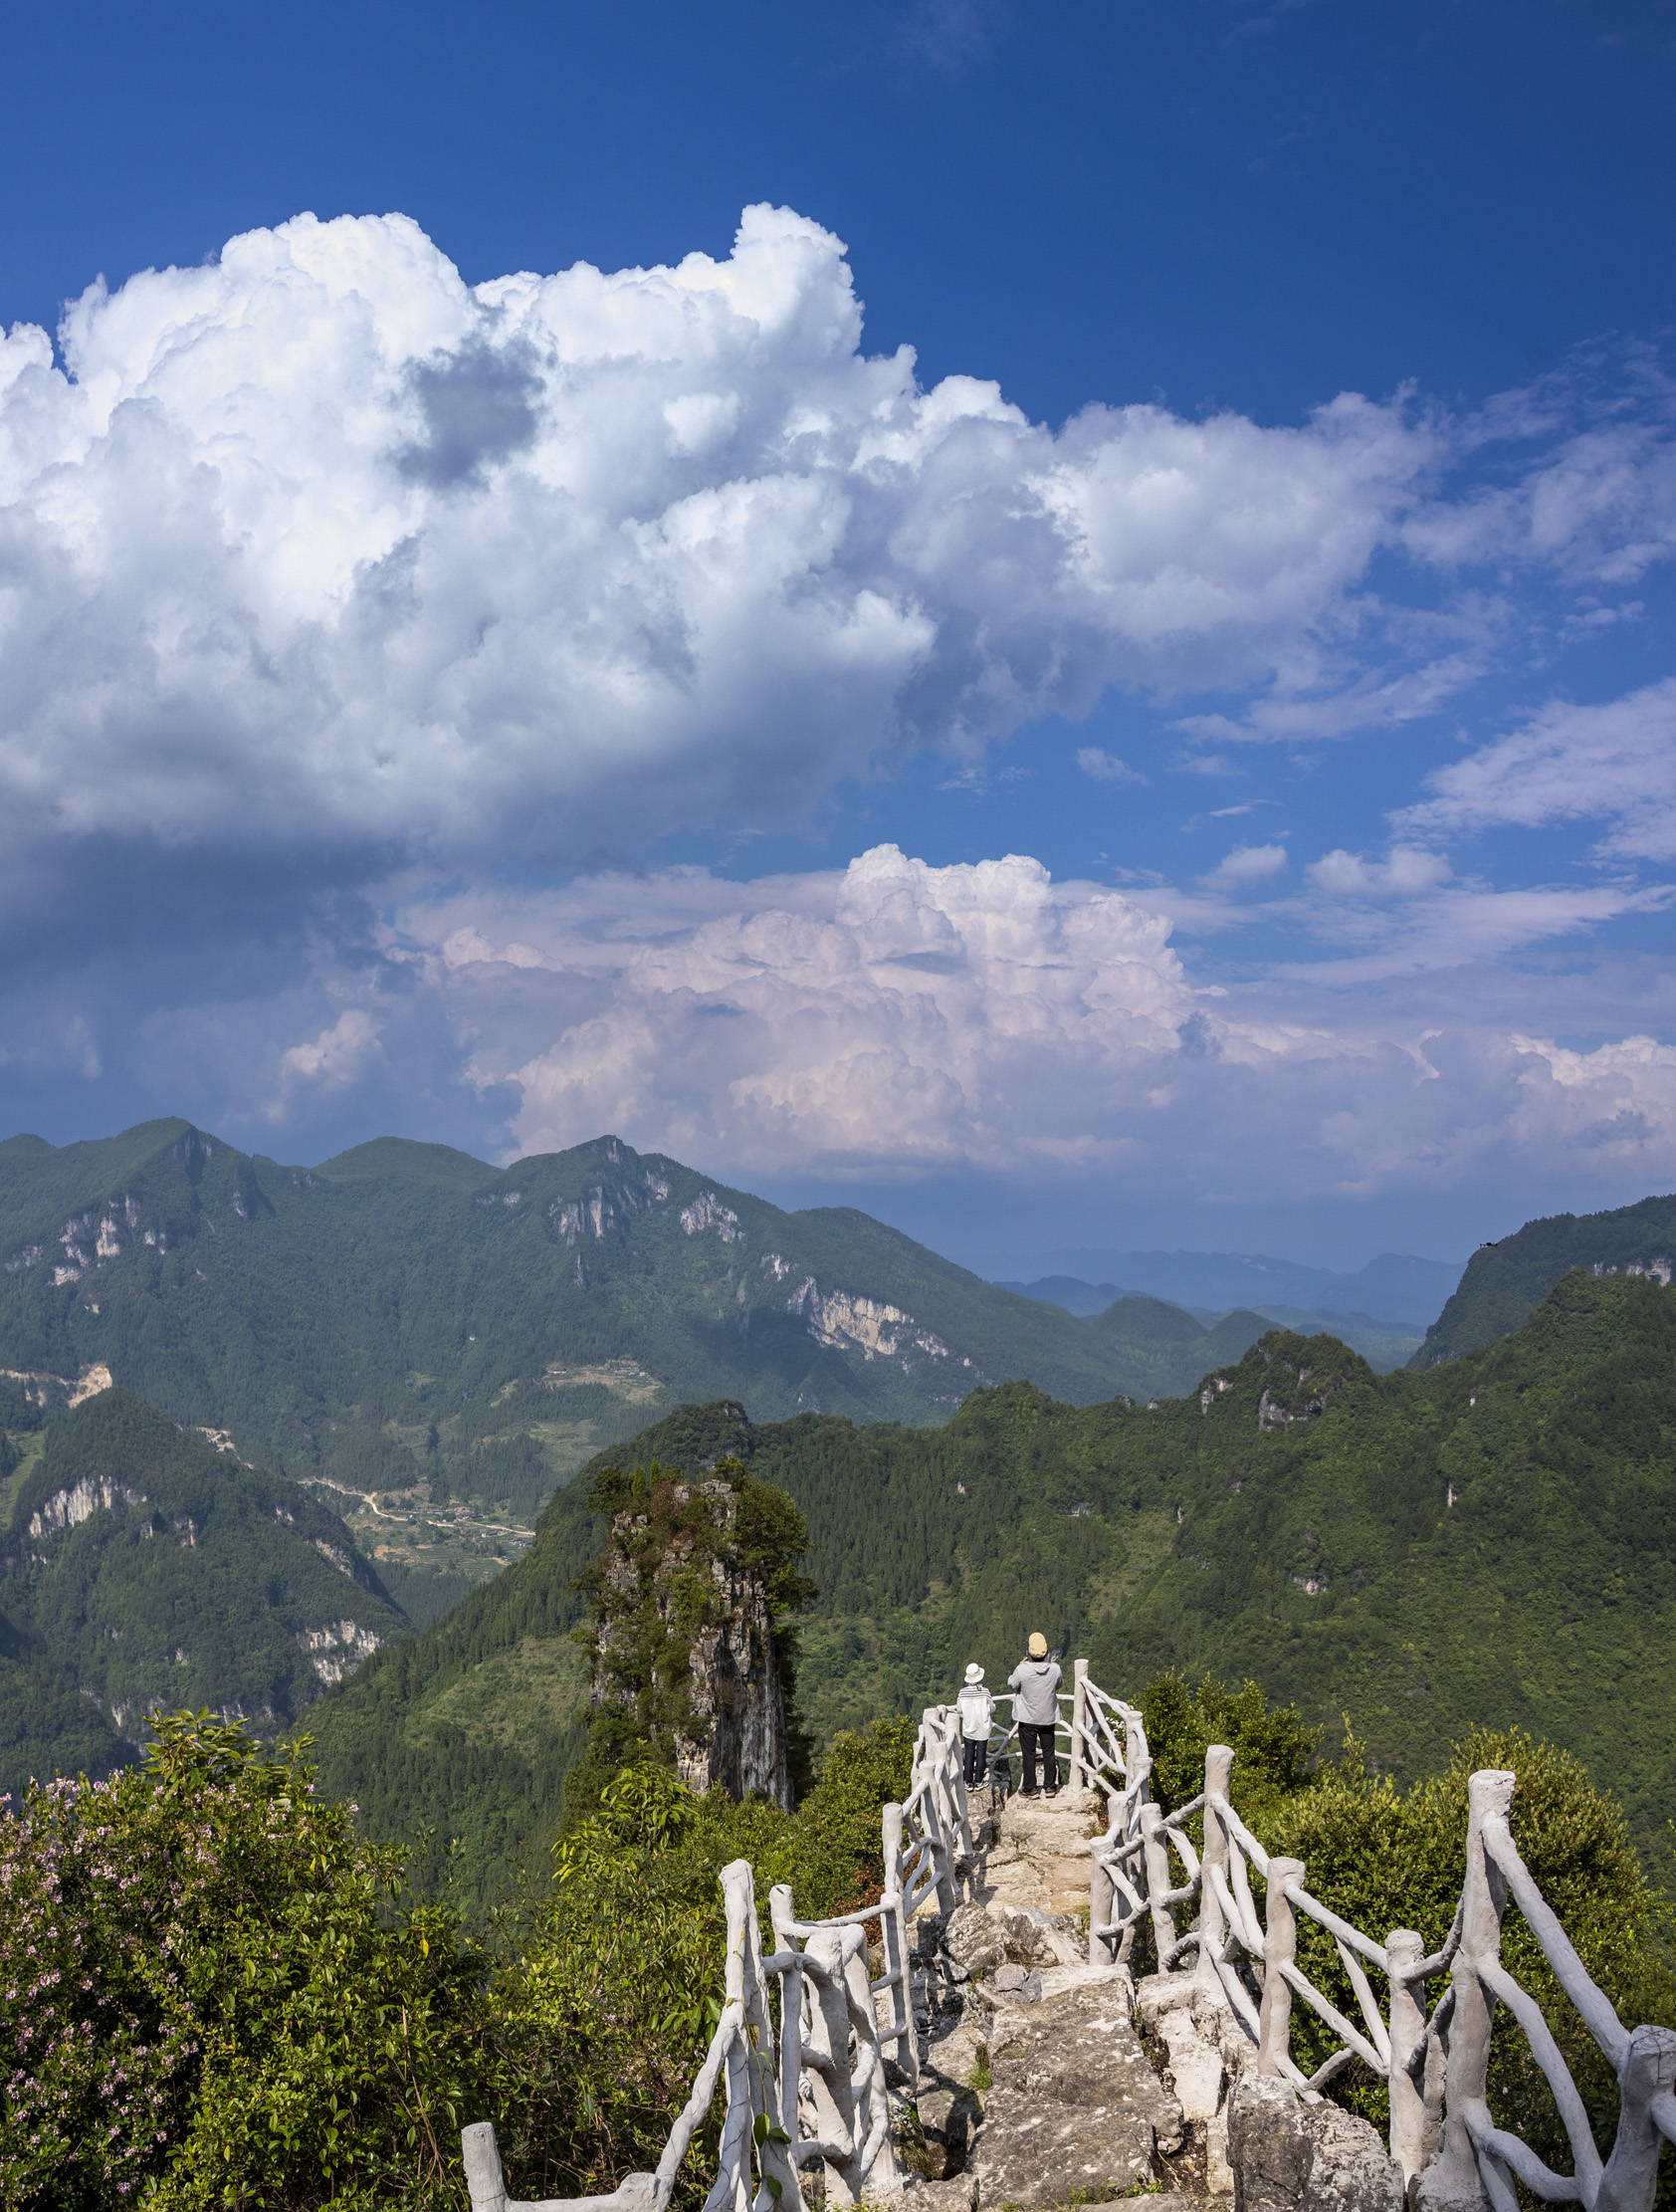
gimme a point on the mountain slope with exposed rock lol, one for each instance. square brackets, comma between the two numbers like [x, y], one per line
[142, 1566]
[1505, 1281]
[405, 1316]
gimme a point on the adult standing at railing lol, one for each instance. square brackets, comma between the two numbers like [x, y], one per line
[1036, 1682]
[976, 1708]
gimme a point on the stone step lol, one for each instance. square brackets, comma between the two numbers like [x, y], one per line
[1074, 2110]
[1038, 2092]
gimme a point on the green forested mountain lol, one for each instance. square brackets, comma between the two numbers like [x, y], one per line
[143, 1567]
[1505, 1281]
[1492, 1542]
[404, 1314]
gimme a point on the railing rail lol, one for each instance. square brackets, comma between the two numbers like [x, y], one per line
[1437, 2067]
[805, 2029]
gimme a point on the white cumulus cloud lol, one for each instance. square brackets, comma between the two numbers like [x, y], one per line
[897, 1019]
[318, 544]
[897, 1013]
[1406, 871]
[1105, 767]
[338, 1056]
[1247, 865]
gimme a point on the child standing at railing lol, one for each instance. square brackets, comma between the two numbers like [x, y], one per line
[977, 1712]
[1036, 1681]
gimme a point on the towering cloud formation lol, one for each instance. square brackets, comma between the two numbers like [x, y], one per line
[320, 544]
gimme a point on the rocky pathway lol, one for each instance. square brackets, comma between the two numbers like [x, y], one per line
[1038, 1860]
[1047, 2083]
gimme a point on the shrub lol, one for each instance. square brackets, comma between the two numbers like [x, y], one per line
[1275, 1751]
[209, 1994]
[1385, 1859]
[611, 1997]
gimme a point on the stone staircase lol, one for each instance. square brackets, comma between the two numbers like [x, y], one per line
[1046, 2081]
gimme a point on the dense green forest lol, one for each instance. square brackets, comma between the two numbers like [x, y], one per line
[1488, 1543]
[143, 1568]
[1505, 1281]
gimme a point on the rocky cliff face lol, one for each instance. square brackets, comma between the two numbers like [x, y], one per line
[686, 1647]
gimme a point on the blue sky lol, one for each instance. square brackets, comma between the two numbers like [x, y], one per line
[1188, 756]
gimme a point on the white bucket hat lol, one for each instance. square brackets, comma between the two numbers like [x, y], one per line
[975, 1673]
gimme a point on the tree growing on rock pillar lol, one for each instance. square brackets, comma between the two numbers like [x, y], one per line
[692, 1638]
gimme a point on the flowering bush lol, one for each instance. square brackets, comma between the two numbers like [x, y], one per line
[211, 1993]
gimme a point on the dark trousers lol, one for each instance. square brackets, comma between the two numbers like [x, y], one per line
[1034, 1741]
[976, 1760]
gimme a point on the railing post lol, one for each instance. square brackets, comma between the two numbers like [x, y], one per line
[485, 2182]
[864, 2023]
[1155, 1853]
[936, 1825]
[746, 1985]
[781, 1918]
[1280, 1950]
[1219, 1778]
[894, 1933]
[1453, 2178]
[954, 1750]
[1411, 2140]
[1079, 1778]
[1648, 2071]
[1137, 1756]
[827, 2059]
[1101, 1949]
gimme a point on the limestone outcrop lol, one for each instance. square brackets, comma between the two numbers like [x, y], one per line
[685, 1639]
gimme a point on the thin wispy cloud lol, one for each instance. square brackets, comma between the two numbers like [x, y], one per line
[951, 35]
[1612, 764]
[1105, 767]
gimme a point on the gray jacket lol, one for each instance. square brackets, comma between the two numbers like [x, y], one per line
[1038, 1682]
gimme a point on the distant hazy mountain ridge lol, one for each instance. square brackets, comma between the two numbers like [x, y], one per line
[1396, 1287]
[1383, 1344]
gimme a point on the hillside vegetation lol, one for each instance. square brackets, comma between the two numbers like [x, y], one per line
[1490, 1544]
[1505, 1281]
[143, 1568]
[441, 1342]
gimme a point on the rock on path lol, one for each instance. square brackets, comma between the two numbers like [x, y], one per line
[1039, 1856]
[1075, 2109]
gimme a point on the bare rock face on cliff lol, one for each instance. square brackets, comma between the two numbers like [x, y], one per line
[693, 1648]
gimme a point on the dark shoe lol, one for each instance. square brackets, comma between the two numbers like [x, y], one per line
[1054, 1792]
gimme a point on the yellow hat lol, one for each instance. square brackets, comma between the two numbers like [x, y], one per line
[1038, 1645]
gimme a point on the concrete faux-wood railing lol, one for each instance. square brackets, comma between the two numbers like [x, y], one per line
[828, 2052]
[1437, 2067]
